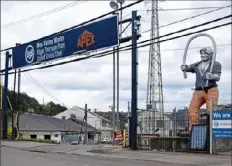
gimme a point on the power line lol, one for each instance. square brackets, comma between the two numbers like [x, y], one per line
[109, 52]
[191, 33]
[44, 13]
[188, 18]
[41, 87]
[180, 49]
[182, 30]
[174, 9]
[86, 22]
[79, 59]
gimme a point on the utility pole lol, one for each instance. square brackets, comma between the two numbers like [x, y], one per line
[113, 116]
[5, 103]
[86, 132]
[128, 122]
[113, 108]
[1, 117]
[18, 98]
[155, 85]
[114, 5]
[174, 114]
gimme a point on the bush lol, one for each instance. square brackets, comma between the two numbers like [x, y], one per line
[38, 140]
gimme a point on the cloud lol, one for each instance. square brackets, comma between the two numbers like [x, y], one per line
[90, 81]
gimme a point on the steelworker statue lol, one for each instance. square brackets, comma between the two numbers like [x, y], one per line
[203, 94]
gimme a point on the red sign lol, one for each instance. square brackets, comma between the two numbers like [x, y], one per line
[118, 135]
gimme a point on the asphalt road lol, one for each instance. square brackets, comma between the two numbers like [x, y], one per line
[15, 157]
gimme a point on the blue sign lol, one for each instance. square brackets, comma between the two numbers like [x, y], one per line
[90, 37]
[222, 124]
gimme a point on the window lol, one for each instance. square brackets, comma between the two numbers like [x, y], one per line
[104, 124]
[47, 137]
[56, 135]
[33, 136]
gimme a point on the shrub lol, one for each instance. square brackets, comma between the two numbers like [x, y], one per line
[38, 140]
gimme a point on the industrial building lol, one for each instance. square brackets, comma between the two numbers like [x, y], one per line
[94, 120]
[32, 126]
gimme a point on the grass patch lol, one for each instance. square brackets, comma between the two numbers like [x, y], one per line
[38, 140]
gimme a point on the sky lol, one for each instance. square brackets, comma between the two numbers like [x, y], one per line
[91, 81]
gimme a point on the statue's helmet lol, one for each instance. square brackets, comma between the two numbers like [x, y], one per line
[206, 53]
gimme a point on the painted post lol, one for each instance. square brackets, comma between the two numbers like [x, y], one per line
[211, 126]
[133, 135]
[5, 102]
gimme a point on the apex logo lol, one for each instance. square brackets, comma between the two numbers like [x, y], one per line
[86, 39]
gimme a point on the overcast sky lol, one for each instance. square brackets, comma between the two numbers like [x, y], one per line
[90, 81]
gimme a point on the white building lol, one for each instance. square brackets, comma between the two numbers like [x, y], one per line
[151, 122]
[32, 126]
[96, 121]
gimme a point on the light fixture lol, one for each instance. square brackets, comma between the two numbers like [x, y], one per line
[121, 1]
[114, 5]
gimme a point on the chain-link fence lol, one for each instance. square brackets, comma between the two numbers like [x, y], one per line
[169, 131]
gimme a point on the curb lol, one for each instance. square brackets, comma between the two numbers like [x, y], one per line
[101, 153]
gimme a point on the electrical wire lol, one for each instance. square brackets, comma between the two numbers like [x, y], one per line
[42, 88]
[179, 31]
[144, 41]
[44, 13]
[79, 59]
[189, 18]
[110, 51]
[203, 30]
[86, 22]
[180, 49]
[177, 9]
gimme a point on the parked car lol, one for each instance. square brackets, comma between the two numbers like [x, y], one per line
[106, 141]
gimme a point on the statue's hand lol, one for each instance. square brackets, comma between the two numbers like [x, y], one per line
[184, 67]
[208, 76]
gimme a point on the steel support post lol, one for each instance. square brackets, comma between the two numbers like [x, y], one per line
[5, 102]
[133, 135]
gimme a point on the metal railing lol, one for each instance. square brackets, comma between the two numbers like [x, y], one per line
[169, 132]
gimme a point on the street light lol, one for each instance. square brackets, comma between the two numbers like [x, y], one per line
[114, 5]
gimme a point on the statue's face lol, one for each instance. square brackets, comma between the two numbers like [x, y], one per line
[205, 57]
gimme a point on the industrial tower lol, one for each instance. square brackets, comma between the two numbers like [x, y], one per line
[154, 84]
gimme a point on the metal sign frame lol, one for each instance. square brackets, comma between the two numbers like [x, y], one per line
[98, 35]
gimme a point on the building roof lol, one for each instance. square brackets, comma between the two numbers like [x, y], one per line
[34, 122]
[79, 113]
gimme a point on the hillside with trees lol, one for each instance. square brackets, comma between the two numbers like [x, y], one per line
[29, 103]
[50, 109]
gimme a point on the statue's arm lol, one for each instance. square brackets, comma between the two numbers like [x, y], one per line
[216, 72]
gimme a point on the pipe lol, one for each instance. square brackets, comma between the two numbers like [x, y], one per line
[186, 50]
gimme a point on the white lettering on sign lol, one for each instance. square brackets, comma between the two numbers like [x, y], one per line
[39, 45]
[48, 42]
[50, 49]
[226, 115]
[216, 115]
[58, 39]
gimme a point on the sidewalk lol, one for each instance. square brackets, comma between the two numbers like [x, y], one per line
[109, 151]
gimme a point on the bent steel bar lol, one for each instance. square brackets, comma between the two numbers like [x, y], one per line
[186, 50]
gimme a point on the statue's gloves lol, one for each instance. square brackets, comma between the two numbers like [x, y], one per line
[184, 67]
[210, 76]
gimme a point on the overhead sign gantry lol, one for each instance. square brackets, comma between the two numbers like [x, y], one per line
[90, 37]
